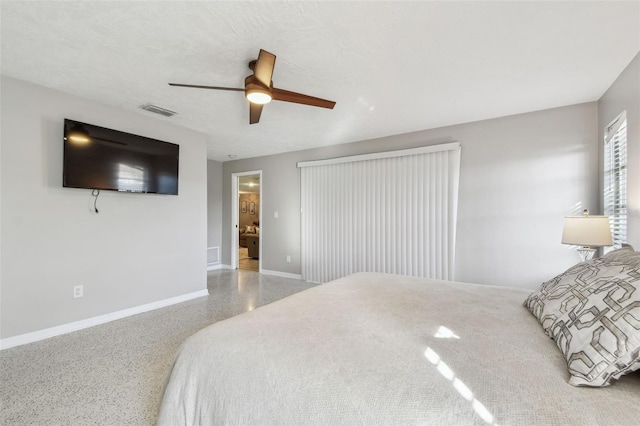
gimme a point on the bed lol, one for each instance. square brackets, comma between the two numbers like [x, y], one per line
[383, 349]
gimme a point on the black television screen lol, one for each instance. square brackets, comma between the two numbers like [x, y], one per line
[100, 158]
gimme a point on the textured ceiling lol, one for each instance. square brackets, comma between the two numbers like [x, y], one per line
[392, 67]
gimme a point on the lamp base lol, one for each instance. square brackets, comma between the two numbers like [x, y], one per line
[586, 253]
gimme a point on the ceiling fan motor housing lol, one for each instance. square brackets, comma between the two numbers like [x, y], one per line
[252, 85]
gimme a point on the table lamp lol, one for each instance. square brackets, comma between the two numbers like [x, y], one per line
[587, 232]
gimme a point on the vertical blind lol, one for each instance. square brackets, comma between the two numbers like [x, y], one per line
[392, 212]
[615, 178]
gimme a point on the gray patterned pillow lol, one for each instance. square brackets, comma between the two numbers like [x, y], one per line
[600, 336]
[561, 294]
[625, 255]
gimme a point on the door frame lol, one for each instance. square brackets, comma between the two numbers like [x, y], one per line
[235, 215]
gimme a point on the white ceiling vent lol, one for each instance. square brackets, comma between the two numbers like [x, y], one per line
[158, 110]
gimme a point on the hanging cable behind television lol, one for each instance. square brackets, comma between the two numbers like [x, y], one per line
[95, 193]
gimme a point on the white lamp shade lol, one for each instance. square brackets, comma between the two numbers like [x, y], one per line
[588, 231]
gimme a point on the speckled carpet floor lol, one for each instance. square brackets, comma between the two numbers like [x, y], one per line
[114, 373]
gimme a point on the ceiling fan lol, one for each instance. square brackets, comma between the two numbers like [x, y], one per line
[259, 90]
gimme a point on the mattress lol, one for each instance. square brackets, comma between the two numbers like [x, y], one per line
[387, 350]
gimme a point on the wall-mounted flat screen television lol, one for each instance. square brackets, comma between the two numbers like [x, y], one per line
[100, 158]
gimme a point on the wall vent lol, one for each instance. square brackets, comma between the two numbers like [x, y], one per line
[158, 110]
[213, 255]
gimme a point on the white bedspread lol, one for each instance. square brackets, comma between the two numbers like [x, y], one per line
[376, 349]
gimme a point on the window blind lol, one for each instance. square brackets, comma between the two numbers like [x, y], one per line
[391, 212]
[615, 178]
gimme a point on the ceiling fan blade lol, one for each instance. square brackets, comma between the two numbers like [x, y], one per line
[254, 112]
[264, 67]
[195, 86]
[299, 98]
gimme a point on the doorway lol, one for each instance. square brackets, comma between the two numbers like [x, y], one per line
[247, 246]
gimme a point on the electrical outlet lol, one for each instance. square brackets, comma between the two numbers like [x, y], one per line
[275, 215]
[288, 259]
[78, 291]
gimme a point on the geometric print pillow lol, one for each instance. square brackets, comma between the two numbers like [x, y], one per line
[600, 336]
[593, 312]
[563, 293]
[625, 255]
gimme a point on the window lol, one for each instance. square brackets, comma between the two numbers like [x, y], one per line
[615, 178]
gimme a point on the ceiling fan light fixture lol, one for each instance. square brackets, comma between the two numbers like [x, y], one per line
[258, 96]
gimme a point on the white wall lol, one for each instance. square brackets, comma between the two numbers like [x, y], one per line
[520, 175]
[624, 94]
[139, 249]
[214, 205]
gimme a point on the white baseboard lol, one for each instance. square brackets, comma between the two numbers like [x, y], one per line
[218, 266]
[281, 274]
[214, 266]
[22, 339]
